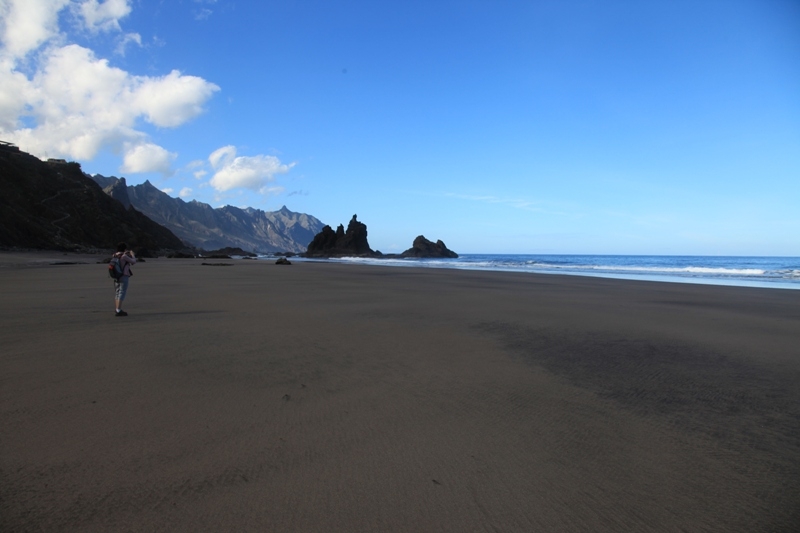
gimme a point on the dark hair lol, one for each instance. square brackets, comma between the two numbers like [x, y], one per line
[121, 247]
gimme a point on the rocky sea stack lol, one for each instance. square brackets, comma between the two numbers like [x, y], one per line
[341, 243]
[353, 243]
[422, 247]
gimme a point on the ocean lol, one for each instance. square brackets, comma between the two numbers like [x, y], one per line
[770, 272]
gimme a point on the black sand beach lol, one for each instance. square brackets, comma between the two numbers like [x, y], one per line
[342, 398]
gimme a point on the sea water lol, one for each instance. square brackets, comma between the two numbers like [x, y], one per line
[772, 272]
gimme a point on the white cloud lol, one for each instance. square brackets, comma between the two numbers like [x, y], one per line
[203, 13]
[27, 24]
[185, 192]
[104, 16]
[168, 190]
[272, 191]
[70, 103]
[13, 96]
[233, 172]
[147, 157]
[197, 168]
[173, 99]
[222, 156]
[126, 40]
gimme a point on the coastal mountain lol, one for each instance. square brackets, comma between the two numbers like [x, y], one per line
[203, 226]
[54, 205]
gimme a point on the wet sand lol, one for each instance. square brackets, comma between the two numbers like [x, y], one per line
[342, 398]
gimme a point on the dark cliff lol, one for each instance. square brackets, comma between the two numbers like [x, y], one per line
[54, 205]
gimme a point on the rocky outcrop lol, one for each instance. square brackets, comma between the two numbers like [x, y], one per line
[203, 226]
[228, 252]
[423, 248]
[341, 243]
[117, 189]
[353, 243]
[56, 206]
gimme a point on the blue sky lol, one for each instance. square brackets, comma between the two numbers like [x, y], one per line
[661, 127]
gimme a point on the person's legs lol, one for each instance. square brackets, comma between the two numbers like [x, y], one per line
[120, 288]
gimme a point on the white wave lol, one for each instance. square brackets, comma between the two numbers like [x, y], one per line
[654, 269]
[732, 274]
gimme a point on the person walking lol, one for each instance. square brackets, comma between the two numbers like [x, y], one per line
[126, 258]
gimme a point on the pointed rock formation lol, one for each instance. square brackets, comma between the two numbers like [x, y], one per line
[341, 243]
[353, 243]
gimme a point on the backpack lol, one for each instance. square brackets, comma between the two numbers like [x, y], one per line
[114, 268]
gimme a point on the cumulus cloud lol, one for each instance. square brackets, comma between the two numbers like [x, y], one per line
[185, 192]
[171, 100]
[222, 156]
[27, 24]
[104, 16]
[232, 171]
[13, 97]
[148, 157]
[70, 103]
[168, 190]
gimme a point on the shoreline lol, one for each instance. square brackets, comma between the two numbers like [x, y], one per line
[18, 258]
[329, 397]
[661, 278]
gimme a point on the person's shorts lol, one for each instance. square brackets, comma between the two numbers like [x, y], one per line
[121, 287]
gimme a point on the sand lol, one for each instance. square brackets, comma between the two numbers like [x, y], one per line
[344, 398]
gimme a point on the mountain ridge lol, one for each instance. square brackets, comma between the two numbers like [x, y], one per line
[202, 226]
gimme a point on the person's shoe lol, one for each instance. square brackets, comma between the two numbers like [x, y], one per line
[120, 313]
